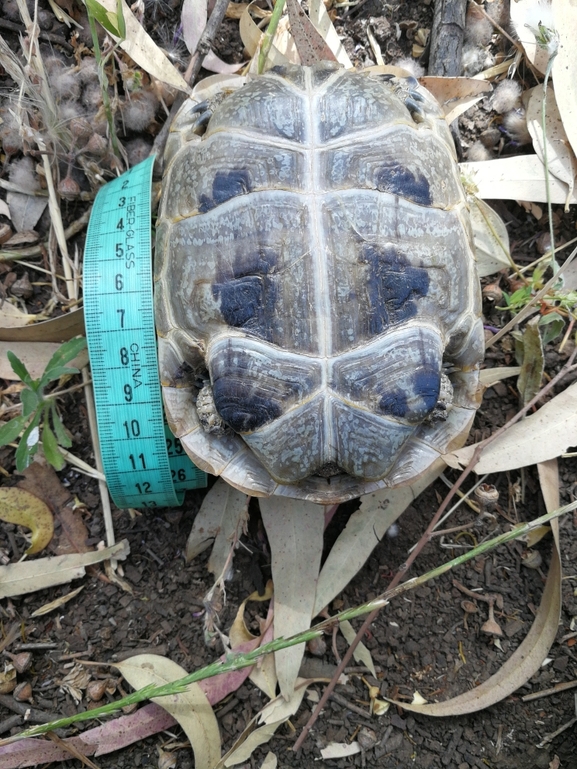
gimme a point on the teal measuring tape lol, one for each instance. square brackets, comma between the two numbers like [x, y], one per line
[144, 464]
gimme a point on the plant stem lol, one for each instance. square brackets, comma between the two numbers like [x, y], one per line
[103, 86]
[269, 34]
[236, 661]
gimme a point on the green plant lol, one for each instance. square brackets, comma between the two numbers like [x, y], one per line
[39, 409]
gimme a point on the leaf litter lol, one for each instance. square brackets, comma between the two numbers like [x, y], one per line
[490, 184]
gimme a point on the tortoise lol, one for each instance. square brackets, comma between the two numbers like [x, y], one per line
[316, 296]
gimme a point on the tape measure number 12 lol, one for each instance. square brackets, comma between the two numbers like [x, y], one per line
[144, 464]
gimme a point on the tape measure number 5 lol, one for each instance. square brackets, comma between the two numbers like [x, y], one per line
[144, 464]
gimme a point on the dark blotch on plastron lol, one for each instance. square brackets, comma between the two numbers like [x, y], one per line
[398, 180]
[427, 384]
[241, 411]
[247, 302]
[225, 186]
[394, 404]
[393, 286]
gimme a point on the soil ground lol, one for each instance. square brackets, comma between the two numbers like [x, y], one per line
[420, 642]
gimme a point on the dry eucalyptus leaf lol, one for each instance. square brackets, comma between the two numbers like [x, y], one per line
[560, 157]
[340, 749]
[456, 94]
[48, 607]
[12, 317]
[143, 50]
[58, 329]
[565, 69]
[194, 16]
[490, 236]
[283, 50]
[233, 520]
[29, 576]
[310, 45]
[25, 509]
[25, 210]
[523, 663]
[322, 22]
[544, 435]
[490, 376]
[270, 761]
[517, 178]
[295, 534]
[364, 530]
[361, 654]
[191, 708]
[217, 507]
[531, 12]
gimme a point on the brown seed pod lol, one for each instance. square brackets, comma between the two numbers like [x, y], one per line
[23, 692]
[493, 293]
[487, 497]
[21, 661]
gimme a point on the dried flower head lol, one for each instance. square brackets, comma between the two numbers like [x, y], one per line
[507, 96]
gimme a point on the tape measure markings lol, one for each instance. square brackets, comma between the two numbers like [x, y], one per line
[142, 465]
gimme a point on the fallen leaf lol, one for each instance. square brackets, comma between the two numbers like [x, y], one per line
[194, 16]
[110, 736]
[232, 523]
[533, 361]
[361, 654]
[523, 663]
[544, 435]
[565, 69]
[456, 94]
[25, 210]
[270, 761]
[490, 376]
[490, 237]
[530, 12]
[251, 37]
[275, 713]
[340, 749]
[218, 508]
[191, 708]
[295, 533]
[322, 22]
[35, 356]
[24, 509]
[311, 46]
[12, 317]
[48, 607]
[364, 530]
[42, 573]
[560, 157]
[517, 178]
[143, 50]
[59, 329]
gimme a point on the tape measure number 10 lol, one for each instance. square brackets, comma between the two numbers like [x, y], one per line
[144, 464]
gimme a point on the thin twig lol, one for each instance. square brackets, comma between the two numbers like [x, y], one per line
[421, 544]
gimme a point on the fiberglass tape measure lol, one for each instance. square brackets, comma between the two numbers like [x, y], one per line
[144, 464]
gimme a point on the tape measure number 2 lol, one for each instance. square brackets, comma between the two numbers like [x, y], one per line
[144, 464]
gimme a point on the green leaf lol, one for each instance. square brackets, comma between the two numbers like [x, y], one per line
[531, 373]
[120, 20]
[30, 401]
[19, 368]
[50, 446]
[28, 445]
[65, 353]
[61, 434]
[56, 373]
[552, 325]
[105, 18]
[12, 429]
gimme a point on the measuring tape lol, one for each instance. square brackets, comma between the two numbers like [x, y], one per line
[144, 464]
